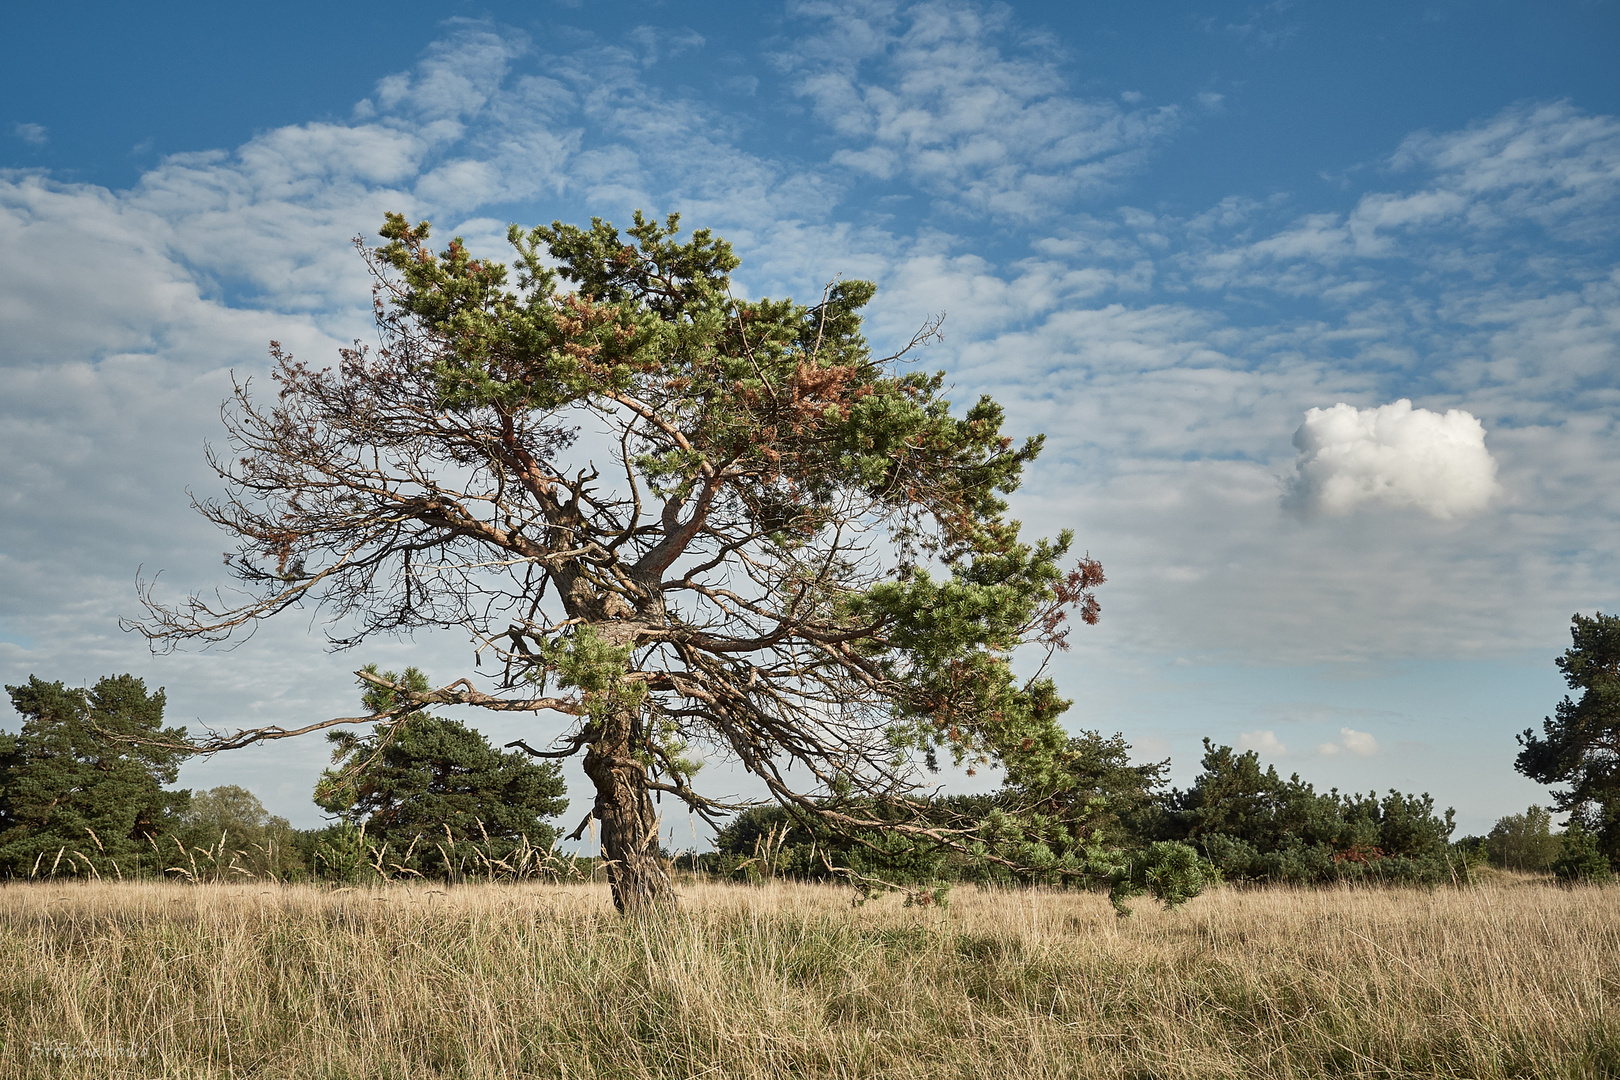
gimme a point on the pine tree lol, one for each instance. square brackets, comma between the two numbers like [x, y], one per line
[1580, 746]
[426, 786]
[667, 514]
[82, 789]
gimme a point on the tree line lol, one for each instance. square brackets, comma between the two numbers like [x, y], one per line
[1247, 823]
[85, 789]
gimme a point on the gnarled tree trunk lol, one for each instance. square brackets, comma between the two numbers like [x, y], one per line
[629, 824]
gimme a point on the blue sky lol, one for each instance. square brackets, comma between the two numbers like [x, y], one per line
[1209, 249]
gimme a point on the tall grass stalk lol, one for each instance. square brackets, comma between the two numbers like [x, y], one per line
[101, 978]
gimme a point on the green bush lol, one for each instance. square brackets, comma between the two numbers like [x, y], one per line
[1236, 860]
[1581, 858]
[1252, 825]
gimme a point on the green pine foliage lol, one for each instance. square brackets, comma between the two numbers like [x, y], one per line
[1090, 789]
[432, 793]
[1255, 826]
[1087, 822]
[82, 785]
[1167, 870]
[1579, 747]
[1581, 859]
[1105, 823]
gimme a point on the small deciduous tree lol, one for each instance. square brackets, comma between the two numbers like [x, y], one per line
[1580, 746]
[83, 781]
[664, 512]
[425, 782]
[233, 832]
[1524, 841]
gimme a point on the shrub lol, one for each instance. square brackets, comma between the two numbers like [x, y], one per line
[1172, 872]
[1580, 858]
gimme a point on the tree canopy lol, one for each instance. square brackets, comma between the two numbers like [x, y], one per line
[83, 781]
[679, 519]
[228, 808]
[1580, 745]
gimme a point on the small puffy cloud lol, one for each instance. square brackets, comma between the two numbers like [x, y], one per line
[1393, 454]
[32, 134]
[1351, 741]
[1358, 742]
[1262, 742]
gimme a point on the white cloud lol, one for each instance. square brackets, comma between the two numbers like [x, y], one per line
[1263, 29]
[457, 78]
[928, 91]
[32, 134]
[1393, 454]
[1484, 202]
[1264, 743]
[654, 44]
[1545, 162]
[1351, 741]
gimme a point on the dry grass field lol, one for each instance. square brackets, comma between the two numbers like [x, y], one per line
[1511, 978]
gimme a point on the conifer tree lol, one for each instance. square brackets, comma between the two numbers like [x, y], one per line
[1580, 746]
[425, 781]
[82, 784]
[677, 518]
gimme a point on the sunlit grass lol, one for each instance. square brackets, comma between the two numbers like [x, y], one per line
[1512, 978]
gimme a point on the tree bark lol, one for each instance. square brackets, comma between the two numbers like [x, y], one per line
[629, 824]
